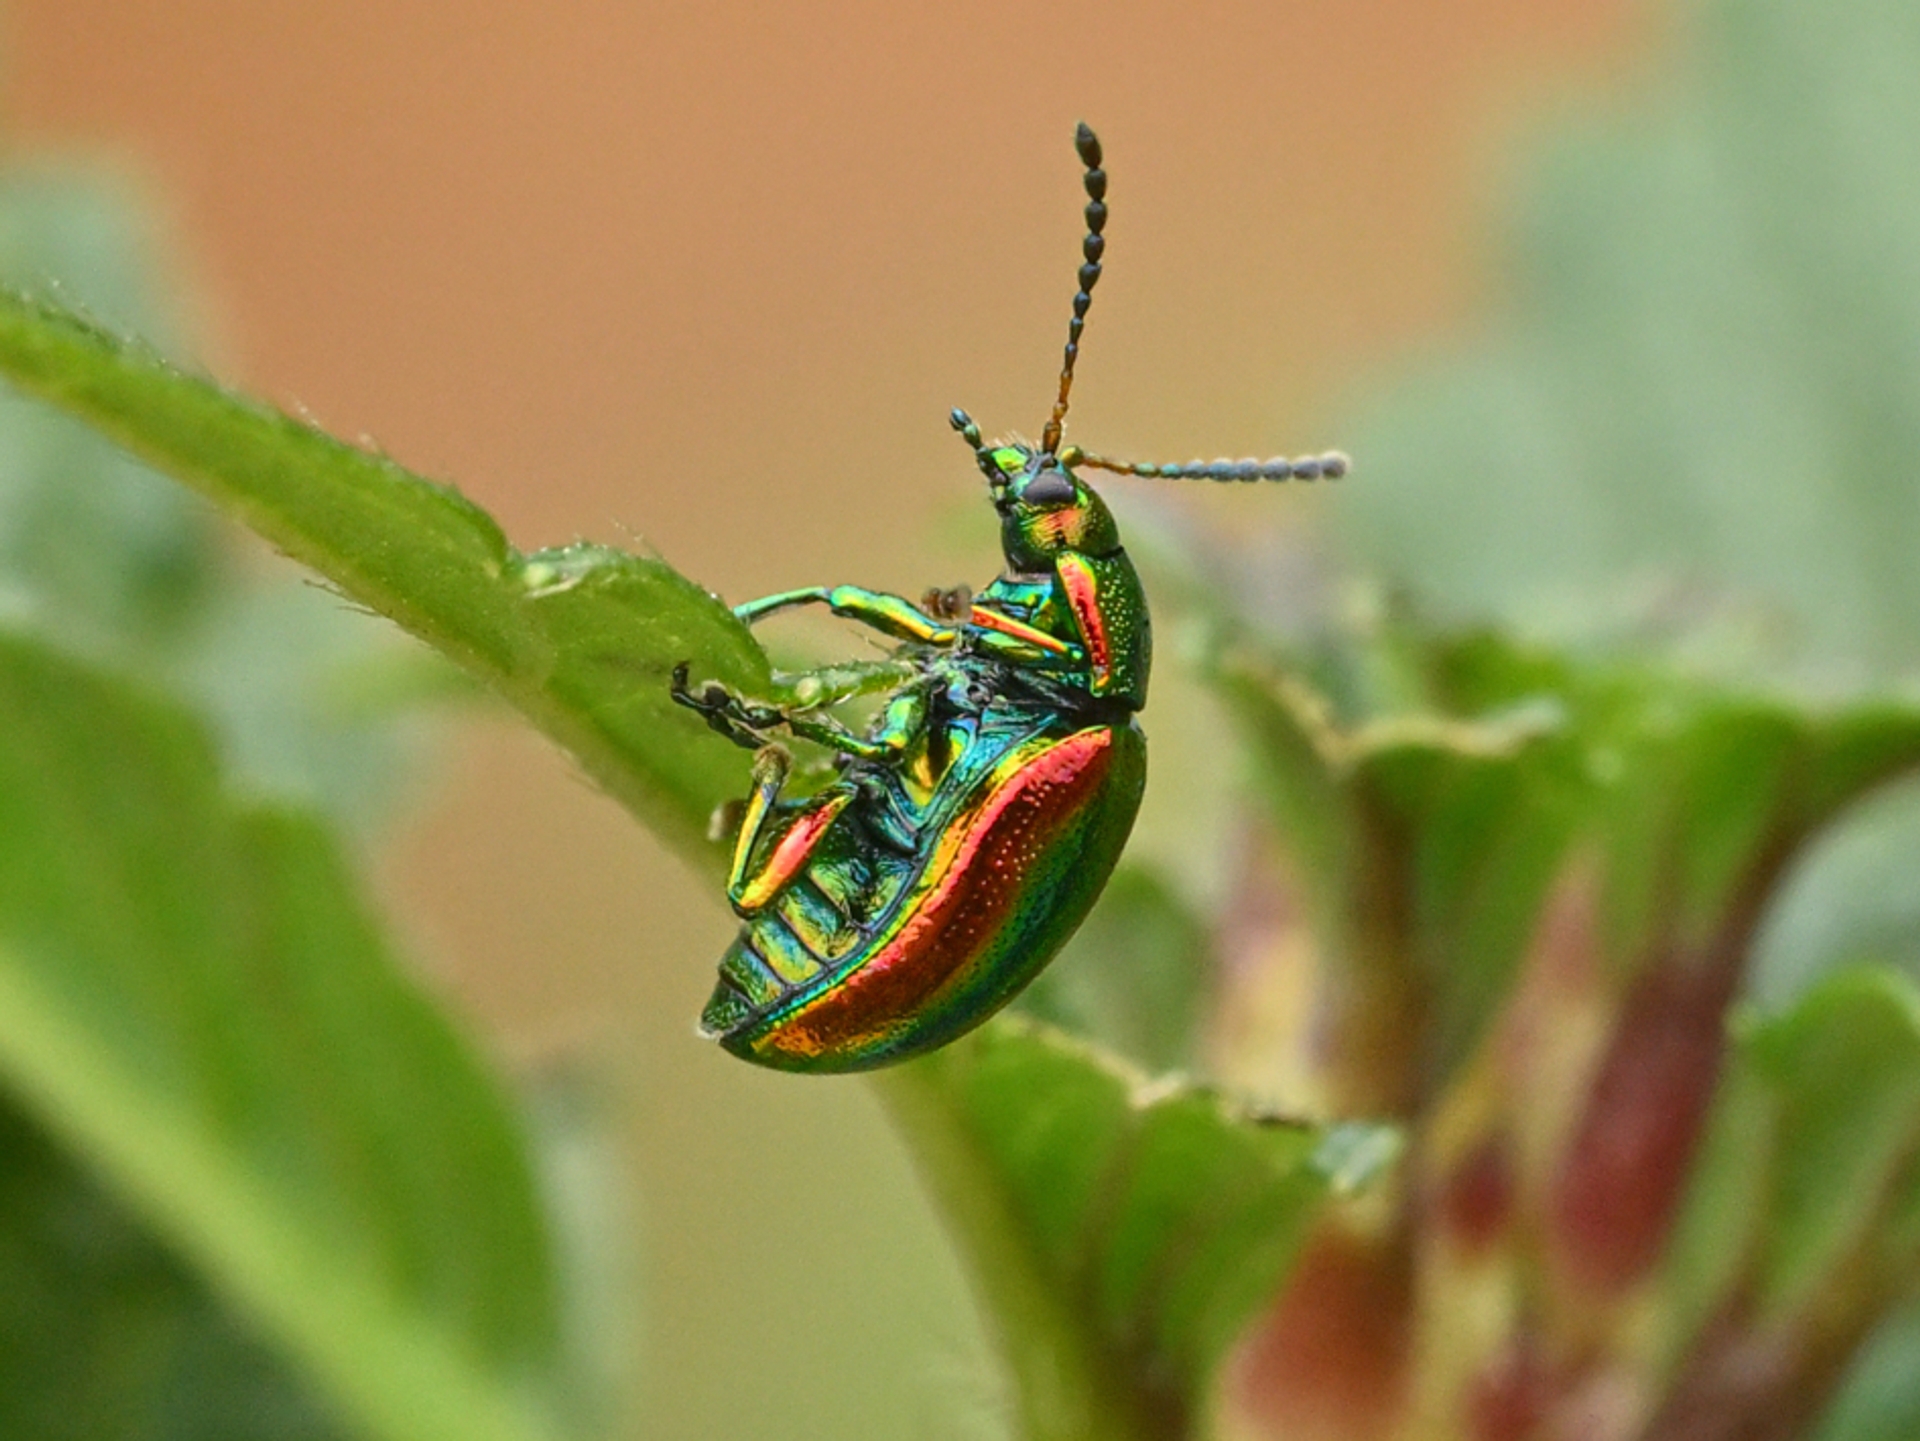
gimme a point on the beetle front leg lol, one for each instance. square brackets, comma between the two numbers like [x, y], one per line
[889, 614]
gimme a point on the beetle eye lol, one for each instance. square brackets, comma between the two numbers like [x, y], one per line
[1050, 487]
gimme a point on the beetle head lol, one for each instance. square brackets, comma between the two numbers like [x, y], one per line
[1045, 508]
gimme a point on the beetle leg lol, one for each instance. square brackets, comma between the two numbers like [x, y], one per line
[740, 722]
[746, 724]
[754, 611]
[825, 730]
[903, 730]
[1063, 655]
[904, 720]
[770, 764]
[750, 887]
[901, 724]
[890, 614]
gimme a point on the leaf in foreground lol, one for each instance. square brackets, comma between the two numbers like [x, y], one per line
[1123, 1231]
[194, 1004]
[104, 1333]
[581, 639]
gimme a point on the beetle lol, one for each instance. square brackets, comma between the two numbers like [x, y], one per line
[974, 822]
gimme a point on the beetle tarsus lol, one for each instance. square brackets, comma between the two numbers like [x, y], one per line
[724, 712]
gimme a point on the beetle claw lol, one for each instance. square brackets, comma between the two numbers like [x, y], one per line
[725, 712]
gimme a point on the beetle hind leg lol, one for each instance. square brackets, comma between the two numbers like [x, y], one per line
[759, 873]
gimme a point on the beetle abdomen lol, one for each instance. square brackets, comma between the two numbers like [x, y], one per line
[999, 890]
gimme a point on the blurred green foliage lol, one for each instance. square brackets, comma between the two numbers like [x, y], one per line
[1532, 887]
[223, 1070]
[1689, 421]
[1693, 391]
[101, 556]
[104, 1333]
[193, 998]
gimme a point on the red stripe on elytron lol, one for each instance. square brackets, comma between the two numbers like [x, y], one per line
[791, 853]
[1083, 596]
[1007, 625]
[979, 885]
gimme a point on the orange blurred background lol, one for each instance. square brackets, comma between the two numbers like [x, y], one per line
[708, 278]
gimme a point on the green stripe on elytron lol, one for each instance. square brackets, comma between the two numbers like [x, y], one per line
[892, 1005]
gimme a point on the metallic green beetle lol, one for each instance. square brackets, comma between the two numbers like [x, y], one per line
[974, 823]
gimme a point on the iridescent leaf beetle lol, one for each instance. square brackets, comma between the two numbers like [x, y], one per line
[975, 821]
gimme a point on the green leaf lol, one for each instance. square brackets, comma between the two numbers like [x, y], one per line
[1803, 1218]
[1423, 846]
[1880, 1399]
[1122, 1231]
[119, 563]
[103, 1333]
[1843, 1072]
[194, 1002]
[1853, 896]
[581, 639]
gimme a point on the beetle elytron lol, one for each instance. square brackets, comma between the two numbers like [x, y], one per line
[974, 823]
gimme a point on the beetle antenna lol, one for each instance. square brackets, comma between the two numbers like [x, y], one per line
[1332, 465]
[970, 433]
[1088, 144]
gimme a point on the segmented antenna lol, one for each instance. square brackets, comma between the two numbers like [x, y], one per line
[1088, 144]
[970, 433]
[1331, 465]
